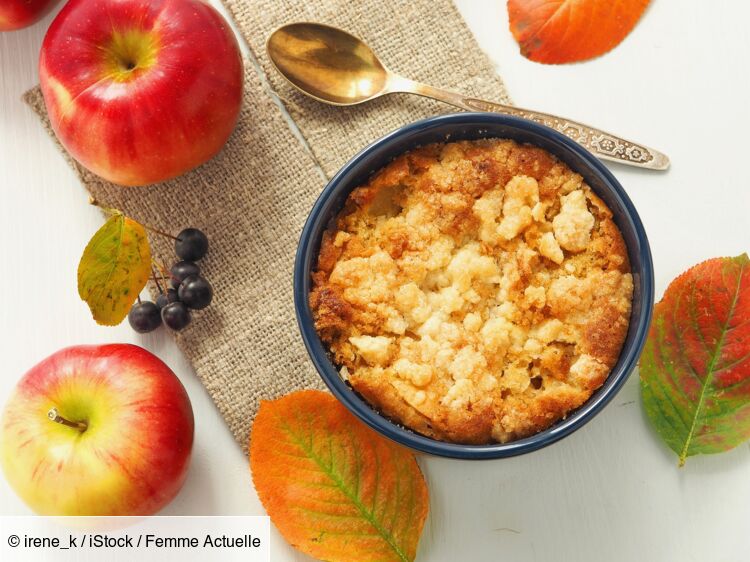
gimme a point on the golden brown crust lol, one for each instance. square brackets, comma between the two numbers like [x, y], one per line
[474, 291]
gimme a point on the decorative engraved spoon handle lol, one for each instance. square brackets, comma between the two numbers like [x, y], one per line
[603, 145]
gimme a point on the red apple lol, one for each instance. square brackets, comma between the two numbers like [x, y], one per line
[140, 91]
[97, 430]
[15, 14]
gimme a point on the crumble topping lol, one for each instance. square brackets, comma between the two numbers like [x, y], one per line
[474, 291]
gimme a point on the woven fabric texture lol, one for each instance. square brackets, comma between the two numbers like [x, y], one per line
[253, 198]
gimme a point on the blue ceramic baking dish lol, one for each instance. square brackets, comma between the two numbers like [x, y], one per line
[470, 126]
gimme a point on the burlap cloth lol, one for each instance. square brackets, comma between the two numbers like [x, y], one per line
[253, 198]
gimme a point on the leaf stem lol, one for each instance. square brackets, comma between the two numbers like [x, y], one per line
[113, 211]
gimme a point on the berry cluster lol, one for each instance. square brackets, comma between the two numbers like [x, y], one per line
[187, 288]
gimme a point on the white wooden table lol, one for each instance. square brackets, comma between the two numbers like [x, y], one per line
[611, 491]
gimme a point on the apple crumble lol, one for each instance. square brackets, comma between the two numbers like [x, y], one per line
[474, 291]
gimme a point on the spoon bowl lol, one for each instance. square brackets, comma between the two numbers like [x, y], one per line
[327, 63]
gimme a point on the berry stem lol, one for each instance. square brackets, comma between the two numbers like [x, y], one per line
[156, 280]
[157, 231]
[56, 417]
[165, 273]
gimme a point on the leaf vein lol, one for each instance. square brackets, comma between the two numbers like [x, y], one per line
[384, 533]
[712, 364]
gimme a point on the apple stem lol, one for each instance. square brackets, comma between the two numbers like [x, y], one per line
[56, 417]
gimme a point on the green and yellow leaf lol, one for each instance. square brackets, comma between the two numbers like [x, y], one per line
[334, 488]
[695, 368]
[114, 268]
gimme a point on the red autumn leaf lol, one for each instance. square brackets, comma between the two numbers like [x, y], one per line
[560, 31]
[695, 367]
[334, 488]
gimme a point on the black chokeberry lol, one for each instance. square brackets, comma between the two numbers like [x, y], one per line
[144, 317]
[175, 316]
[191, 244]
[196, 292]
[184, 269]
[165, 298]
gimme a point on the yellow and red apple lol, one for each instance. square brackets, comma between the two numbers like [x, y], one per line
[141, 91]
[97, 430]
[17, 14]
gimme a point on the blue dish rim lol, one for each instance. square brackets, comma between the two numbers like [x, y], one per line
[307, 254]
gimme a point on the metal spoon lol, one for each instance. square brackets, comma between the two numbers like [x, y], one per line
[335, 67]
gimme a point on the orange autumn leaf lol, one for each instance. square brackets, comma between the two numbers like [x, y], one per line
[334, 488]
[560, 31]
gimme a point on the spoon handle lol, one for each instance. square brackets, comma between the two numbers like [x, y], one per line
[601, 144]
